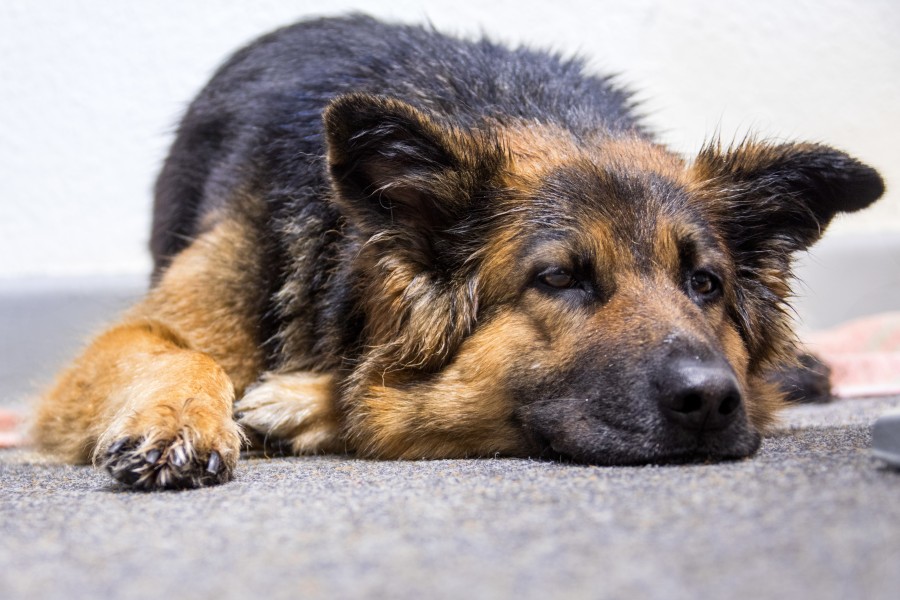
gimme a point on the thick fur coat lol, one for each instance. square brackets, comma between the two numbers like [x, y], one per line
[379, 239]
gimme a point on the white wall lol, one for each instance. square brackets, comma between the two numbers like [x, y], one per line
[90, 93]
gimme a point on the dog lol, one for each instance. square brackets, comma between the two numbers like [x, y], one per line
[377, 239]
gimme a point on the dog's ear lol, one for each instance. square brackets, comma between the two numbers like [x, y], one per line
[768, 202]
[782, 197]
[397, 168]
[407, 184]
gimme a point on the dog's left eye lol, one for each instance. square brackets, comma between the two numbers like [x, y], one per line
[705, 285]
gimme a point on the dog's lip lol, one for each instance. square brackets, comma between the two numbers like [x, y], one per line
[696, 455]
[650, 447]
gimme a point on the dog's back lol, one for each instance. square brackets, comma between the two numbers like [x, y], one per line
[260, 115]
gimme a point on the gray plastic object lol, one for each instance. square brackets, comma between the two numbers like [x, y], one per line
[886, 438]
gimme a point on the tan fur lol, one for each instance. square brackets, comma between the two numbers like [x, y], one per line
[135, 381]
[463, 411]
[537, 148]
[412, 323]
[210, 295]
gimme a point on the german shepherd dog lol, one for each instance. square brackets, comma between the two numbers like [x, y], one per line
[377, 239]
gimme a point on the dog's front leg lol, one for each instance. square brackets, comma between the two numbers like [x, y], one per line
[140, 403]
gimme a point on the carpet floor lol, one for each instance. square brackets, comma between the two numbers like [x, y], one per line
[812, 515]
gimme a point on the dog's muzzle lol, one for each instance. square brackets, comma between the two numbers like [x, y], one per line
[686, 410]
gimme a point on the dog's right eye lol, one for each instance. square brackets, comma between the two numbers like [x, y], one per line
[558, 279]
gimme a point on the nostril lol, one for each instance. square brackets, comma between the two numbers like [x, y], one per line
[729, 405]
[689, 403]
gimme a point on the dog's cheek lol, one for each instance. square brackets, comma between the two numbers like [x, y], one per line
[465, 410]
[761, 399]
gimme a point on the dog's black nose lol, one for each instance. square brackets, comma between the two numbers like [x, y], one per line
[699, 395]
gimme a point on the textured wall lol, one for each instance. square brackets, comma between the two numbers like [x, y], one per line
[90, 93]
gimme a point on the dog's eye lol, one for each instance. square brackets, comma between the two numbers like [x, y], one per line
[705, 285]
[557, 278]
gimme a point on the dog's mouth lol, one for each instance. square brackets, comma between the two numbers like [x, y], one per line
[574, 431]
[675, 456]
[638, 456]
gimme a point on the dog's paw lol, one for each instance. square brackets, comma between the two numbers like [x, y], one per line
[168, 464]
[807, 381]
[172, 444]
[292, 411]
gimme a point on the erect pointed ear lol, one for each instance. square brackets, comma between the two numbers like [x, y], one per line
[769, 201]
[395, 166]
[785, 194]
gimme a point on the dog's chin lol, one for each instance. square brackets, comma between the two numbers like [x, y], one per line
[559, 433]
[611, 456]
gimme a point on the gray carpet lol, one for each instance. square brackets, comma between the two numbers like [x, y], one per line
[811, 516]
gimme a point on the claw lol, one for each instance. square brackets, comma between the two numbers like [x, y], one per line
[178, 456]
[126, 476]
[215, 461]
[152, 456]
[114, 449]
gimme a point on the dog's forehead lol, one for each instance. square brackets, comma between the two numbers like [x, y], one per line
[624, 179]
[626, 196]
[603, 197]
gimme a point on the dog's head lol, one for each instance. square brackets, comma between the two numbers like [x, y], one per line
[531, 291]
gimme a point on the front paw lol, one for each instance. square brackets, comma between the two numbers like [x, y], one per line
[168, 464]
